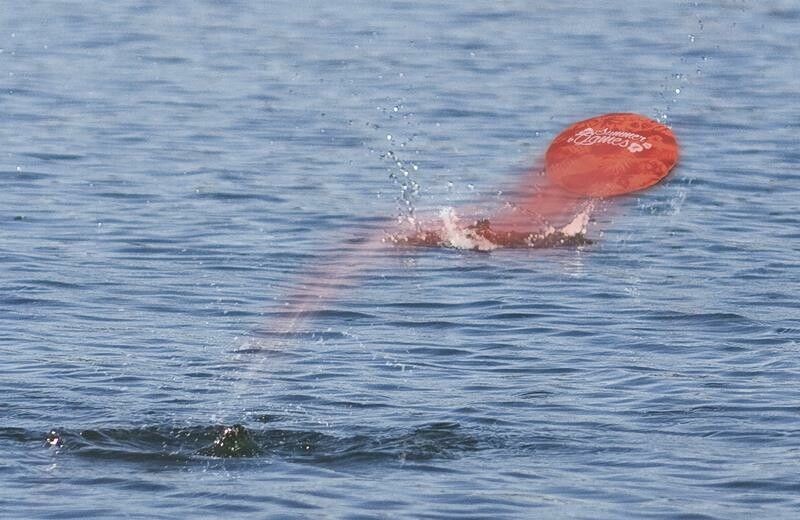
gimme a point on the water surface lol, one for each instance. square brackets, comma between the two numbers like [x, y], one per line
[170, 170]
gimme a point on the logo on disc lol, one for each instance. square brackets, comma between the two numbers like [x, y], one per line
[634, 142]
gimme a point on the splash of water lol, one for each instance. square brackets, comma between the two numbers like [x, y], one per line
[482, 235]
[454, 234]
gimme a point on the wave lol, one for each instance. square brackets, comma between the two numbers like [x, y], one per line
[180, 445]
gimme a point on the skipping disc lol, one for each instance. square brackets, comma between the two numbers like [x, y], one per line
[611, 155]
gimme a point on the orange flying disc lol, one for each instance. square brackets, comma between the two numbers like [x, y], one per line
[611, 154]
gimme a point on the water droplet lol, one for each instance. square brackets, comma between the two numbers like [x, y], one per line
[691, 38]
[388, 137]
[677, 91]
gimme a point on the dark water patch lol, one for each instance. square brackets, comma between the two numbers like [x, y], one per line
[439, 351]
[727, 320]
[336, 314]
[425, 324]
[433, 441]
[574, 333]
[185, 445]
[769, 485]
[228, 196]
[43, 283]
[552, 370]
[24, 175]
[535, 394]
[17, 434]
[515, 316]
[471, 305]
[360, 404]
[792, 331]
[784, 13]
[128, 196]
[53, 156]
[144, 251]
[25, 301]
[165, 60]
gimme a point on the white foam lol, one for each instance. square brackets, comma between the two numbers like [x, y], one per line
[457, 236]
[579, 224]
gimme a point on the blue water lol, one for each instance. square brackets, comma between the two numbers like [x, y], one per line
[169, 171]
